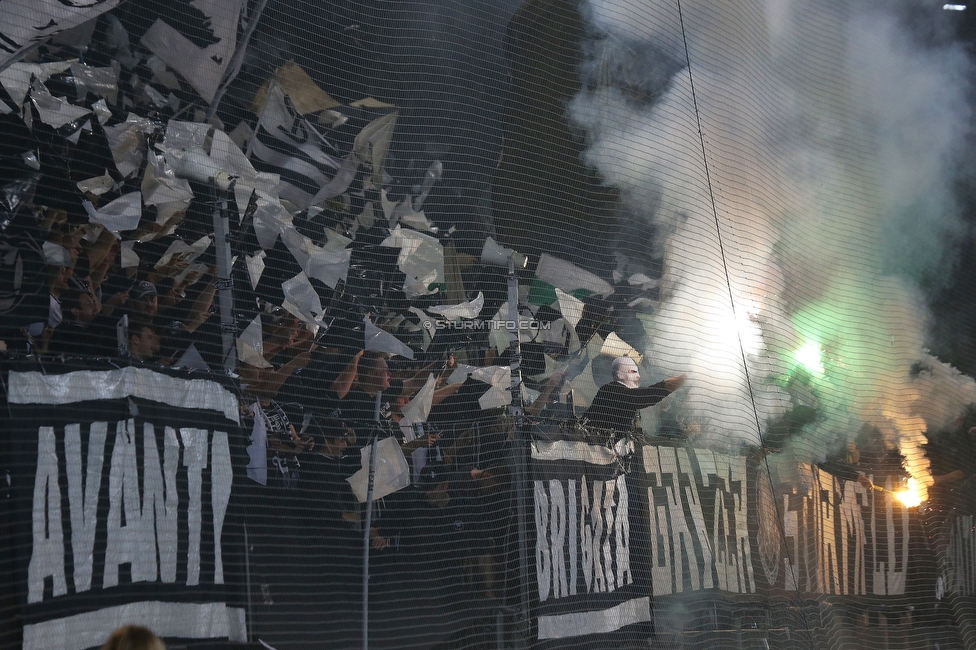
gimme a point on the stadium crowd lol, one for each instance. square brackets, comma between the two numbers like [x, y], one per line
[356, 319]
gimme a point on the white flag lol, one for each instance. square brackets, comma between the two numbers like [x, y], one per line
[26, 22]
[198, 41]
[287, 144]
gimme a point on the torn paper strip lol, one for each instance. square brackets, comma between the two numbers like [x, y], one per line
[128, 142]
[421, 259]
[372, 143]
[97, 185]
[569, 277]
[615, 346]
[255, 267]
[188, 251]
[250, 345]
[303, 91]
[286, 143]
[498, 377]
[118, 216]
[391, 472]
[570, 307]
[101, 82]
[160, 185]
[201, 51]
[128, 258]
[54, 111]
[417, 409]
[382, 341]
[327, 266]
[470, 309]
[302, 300]
[26, 22]
[16, 79]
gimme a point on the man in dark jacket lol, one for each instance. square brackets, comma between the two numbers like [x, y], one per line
[616, 404]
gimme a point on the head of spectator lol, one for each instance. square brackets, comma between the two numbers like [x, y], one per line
[143, 339]
[133, 637]
[58, 275]
[625, 371]
[397, 394]
[79, 303]
[144, 298]
[435, 483]
[282, 330]
[373, 374]
[332, 436]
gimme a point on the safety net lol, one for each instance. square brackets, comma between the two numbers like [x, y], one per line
[469, 325]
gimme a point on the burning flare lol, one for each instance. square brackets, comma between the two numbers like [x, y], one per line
[810, 357]
[911, 496]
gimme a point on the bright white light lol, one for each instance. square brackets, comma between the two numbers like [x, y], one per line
[954, 7]
[739, 328]
[910, 496]
[810, 357]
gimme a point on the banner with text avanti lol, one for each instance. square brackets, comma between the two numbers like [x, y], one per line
[121, 505]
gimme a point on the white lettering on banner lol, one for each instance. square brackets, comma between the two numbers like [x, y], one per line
[88, 629]
[47, 558]
[195, 460]
[83, 497]
[574, 534]
[832, 542]
[726, 480]
[586, 538]
[596, 532]
[140, 525]
[685, 556]
[221, 479]
[160, 499]
[543, 554]
[826, 535]
[894, 579]
[962, 556]
[838, 537]
[852, 538]
[130, 540]
[621, 530]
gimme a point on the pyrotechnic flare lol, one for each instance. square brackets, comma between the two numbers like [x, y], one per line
[797, 207]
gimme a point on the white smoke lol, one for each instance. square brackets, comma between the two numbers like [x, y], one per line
[829, 138]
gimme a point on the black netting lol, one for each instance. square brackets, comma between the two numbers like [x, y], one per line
[655, 315]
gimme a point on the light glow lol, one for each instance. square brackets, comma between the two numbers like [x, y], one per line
[954, 7]
[809, 356]
[911, 496]
[735, 328]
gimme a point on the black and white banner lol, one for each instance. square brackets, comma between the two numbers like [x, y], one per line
[618, 539]
[960, 536]
[285, 143]
[122, 505]
[589, 580]
[24, 23]
[197, 39]
[718, 522]
[699, 521]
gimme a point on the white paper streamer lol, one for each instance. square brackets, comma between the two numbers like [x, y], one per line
[569, 277]
[382, 341]
[391, 471]
[250, 345]
[470, 309]
[417, 409]
[121, 214]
